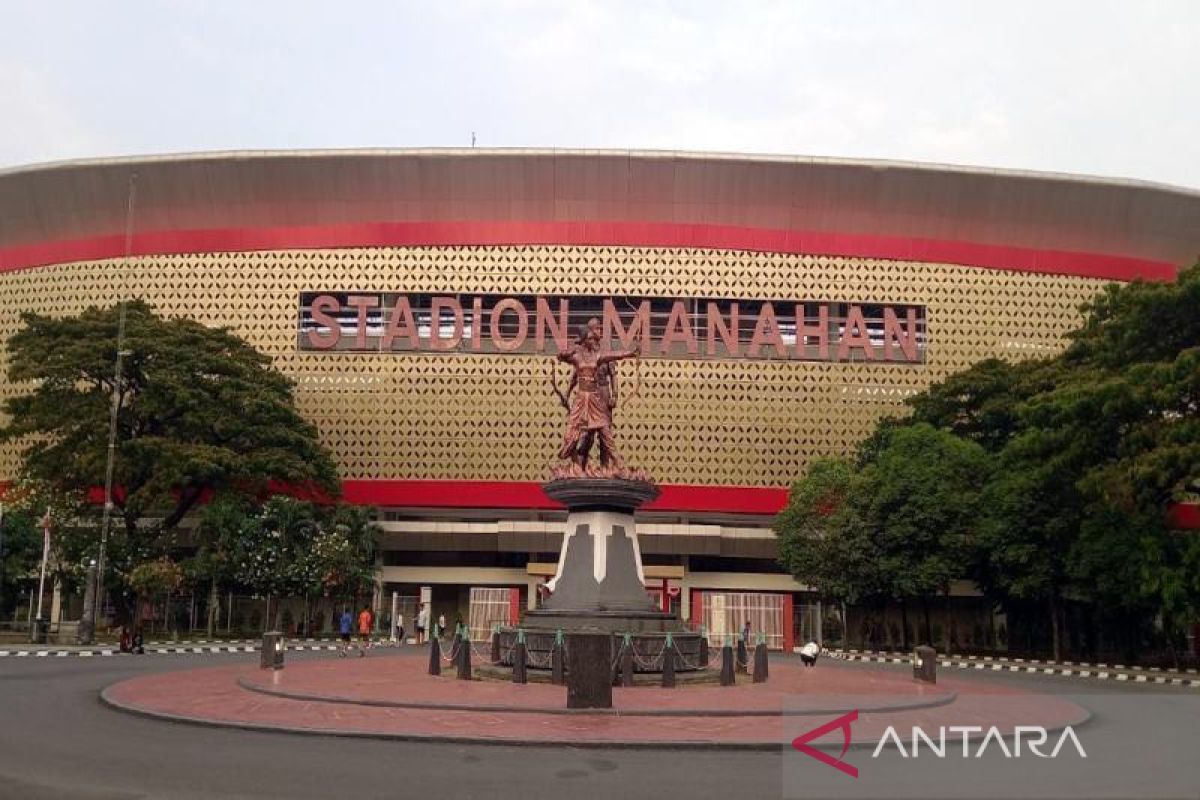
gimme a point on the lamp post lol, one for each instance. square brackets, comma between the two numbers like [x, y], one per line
[118, 371]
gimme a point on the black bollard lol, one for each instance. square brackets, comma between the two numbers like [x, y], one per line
[760, 662]
[627, 665]
[556, 665]
[743, 659]
[464, 658]
[496, 646]
[435, 656]
[520, 656]
[668, 663]
[727, 665]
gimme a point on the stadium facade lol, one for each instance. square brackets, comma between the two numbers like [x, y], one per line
[416, 297]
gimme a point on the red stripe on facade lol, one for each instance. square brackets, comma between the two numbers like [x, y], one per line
[503, 494]
[1186, 516]
[618, 233]
[528, 494]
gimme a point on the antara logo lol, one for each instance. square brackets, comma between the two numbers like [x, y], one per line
[1031, 738]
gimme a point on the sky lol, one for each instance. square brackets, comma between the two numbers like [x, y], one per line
[1098, 88]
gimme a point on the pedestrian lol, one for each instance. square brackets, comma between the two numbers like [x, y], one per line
[345, 626]
[366, 622]
[126, 640]
[422, 622]
[809, 653]
[137, 644]
[746, 633]
[400, 628]
[441, 628]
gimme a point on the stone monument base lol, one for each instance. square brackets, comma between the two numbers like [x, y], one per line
[599, 588]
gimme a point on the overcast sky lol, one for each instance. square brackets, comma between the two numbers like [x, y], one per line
[1089, 87]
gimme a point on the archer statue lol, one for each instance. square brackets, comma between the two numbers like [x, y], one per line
[590, 399]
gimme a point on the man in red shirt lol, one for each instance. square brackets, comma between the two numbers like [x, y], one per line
[365, 623]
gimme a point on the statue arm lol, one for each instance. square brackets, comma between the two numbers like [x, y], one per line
[619, 355]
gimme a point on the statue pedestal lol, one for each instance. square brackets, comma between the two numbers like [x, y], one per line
[599, 586]
[600, 565]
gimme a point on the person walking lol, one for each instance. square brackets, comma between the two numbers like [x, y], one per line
[422, 622]
[366, 622]
[441, 628]
[400, 628]
[345, 626]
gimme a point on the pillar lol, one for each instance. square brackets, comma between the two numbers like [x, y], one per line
[789, 635]
[514, 605]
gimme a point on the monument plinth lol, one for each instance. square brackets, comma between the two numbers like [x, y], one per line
[598, 591]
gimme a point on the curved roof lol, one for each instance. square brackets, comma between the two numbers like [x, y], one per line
[278, 200]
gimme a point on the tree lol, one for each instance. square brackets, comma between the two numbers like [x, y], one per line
[821, 540]
[980, 403]
[20, 553]
[900, 527]
[151, 579]
[290, 547]
[922, 509]
[199, 411]
[217, 536]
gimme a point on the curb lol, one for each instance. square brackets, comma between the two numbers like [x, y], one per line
[250, 686]
[1118, 673]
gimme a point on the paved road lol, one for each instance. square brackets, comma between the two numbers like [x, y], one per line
[58, 740]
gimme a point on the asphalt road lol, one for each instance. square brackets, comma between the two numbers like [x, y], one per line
[57, 740]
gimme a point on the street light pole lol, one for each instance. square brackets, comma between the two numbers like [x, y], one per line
[118, 370]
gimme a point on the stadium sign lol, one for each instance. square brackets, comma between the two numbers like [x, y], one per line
[808, 330]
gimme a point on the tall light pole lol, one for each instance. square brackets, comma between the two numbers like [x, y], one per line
[118, 370]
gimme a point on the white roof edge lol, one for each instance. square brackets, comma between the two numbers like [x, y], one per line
[219, 155]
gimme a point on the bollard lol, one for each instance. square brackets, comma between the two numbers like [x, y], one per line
[760, 661]
[589, 676]
[557, 658]
[668, 663]
[627, 661]
[520, 673]
[727, 663]
[464, 654]
[271, 653]
[743, 660]
[925, 664]
[435, 656]
[495, 644]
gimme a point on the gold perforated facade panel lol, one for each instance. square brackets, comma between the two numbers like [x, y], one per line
[487, 417]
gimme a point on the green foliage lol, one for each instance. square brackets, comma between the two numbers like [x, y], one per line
[289, 547]
[20, 552]
[157, 577]
[981, 402]
[1045, 480]
[199, 411]
[899, 526]
[822, 538]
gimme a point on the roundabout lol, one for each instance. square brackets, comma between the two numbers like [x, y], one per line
[392, 697]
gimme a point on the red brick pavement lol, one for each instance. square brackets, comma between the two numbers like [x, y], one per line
[214, 696]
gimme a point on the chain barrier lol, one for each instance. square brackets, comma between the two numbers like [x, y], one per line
[712, 660]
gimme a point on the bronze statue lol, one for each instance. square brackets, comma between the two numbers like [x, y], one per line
[590, 399]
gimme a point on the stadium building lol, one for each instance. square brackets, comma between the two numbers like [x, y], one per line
[417, 298]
